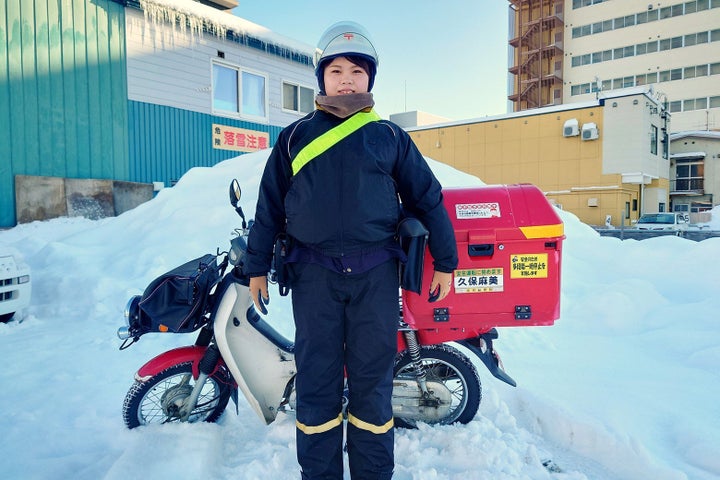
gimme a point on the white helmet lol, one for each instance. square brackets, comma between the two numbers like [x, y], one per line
[345, 39]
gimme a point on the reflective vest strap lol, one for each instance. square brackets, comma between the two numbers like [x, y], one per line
[370, 427]
[331, 137]
[325, 427]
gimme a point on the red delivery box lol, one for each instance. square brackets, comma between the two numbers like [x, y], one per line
[509, 240]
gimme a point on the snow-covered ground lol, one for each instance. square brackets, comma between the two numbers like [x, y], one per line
[624, 386]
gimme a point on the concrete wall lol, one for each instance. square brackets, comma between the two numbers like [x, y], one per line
[43, 198]
[626, 136]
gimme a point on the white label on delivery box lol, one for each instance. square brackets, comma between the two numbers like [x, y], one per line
[479, 280]
[477, 210]
[529, 265]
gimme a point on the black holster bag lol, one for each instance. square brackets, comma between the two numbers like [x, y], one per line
[413, 238]
[280, 252]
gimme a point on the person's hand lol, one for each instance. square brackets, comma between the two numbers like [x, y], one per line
[259, 293]
[440, 286]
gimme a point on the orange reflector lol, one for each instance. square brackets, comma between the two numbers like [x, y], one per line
[163, 328]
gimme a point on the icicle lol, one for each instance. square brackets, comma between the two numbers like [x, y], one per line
[198, 18]
[172, 13]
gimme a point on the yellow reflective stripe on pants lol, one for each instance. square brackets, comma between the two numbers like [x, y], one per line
[331, 137]
[370, 427]
[327, 426]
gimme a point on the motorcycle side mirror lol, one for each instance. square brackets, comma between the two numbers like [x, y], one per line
[235, 192]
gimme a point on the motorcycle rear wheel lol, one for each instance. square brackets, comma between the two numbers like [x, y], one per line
[150, 402]
[447, 365]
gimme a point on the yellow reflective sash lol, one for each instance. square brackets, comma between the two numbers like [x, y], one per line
[331, 137]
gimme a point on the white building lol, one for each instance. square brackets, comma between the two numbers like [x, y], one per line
[568, 50]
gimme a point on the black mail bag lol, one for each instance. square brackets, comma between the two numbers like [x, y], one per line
[177, 301]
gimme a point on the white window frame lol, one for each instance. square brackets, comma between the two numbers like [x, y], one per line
[654, 139]
[240, 114]
[299, 86]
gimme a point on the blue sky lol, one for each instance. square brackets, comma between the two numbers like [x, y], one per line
[445, 58]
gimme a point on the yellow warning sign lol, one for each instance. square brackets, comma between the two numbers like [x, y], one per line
[529, 265]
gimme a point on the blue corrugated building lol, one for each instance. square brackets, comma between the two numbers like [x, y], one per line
[138, 91]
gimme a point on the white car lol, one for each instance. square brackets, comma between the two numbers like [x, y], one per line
[14, 283]
[662, 221]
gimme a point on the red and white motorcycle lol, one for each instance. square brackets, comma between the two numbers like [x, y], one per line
[236, 348]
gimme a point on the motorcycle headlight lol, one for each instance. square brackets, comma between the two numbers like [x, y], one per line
[123, 333]
[132, 318]
[238, 247]
[131, 310]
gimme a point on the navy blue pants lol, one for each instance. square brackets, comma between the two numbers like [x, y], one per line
[345, 322]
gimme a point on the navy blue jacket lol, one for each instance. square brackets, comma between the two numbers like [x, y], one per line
[345, 201]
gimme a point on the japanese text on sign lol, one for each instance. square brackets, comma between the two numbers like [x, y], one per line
[239, 139]
[529, 265]
[479, 280]
[477, 210]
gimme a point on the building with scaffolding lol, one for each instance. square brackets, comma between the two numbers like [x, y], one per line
[537, 38]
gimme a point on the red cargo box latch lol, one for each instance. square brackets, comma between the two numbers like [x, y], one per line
[481, 243]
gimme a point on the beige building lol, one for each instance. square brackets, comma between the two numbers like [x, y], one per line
[694, 172]
[602, 159]
[597, 87]
[567, 51]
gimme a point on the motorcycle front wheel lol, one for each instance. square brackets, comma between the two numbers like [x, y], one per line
[446, 366]
[157, 400]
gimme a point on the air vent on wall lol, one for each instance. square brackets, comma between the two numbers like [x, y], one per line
[571, 128]
[589, 131]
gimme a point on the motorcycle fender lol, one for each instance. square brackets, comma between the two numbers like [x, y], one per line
[482, 346]
[260, 368]
[168, 359]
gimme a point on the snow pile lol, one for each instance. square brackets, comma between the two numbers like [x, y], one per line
[714, 223]
[623, 387]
